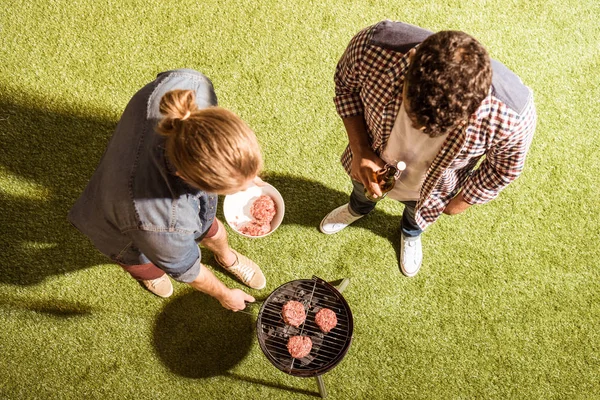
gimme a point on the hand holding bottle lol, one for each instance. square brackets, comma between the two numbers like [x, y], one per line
[364, 168]
[386, 179]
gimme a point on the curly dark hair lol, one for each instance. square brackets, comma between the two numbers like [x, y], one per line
[449, 76]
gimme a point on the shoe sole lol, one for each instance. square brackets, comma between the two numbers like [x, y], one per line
[259, 288]
[334, 232]
[328, 233]
[168, 295]
[407, 274]
[156, 294]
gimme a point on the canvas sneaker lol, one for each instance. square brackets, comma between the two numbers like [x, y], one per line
[162, 287]
[338, 219]
[411, 255]
[246, 271]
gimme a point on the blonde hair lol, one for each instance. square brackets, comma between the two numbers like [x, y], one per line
[211, 148]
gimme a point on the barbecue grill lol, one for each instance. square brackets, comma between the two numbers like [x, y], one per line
[328, 349]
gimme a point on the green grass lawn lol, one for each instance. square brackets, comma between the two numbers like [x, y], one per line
[507, 304]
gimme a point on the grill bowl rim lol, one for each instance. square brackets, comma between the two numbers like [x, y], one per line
[306, 372]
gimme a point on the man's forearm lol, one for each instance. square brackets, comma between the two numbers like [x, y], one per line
[365, 162]
[208, 283]
[457, 205]
[357, 133]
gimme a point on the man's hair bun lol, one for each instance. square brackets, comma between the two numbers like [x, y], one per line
[176, 106]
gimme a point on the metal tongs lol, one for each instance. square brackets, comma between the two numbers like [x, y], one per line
[250, 307]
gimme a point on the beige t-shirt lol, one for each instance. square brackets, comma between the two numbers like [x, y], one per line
[416, 149]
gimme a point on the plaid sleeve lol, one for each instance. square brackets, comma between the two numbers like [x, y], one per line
[349, 73]
[505, 160]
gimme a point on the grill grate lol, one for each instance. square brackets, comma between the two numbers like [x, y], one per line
[327, 350]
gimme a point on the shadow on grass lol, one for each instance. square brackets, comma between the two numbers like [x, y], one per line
[274, 386]
[52, 154]
[54, 308]
[197, 338]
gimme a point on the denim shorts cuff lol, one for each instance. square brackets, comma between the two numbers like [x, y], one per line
[189, 275]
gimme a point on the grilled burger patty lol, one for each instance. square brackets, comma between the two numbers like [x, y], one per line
[299, 346]
[326, 319]
[293, 313]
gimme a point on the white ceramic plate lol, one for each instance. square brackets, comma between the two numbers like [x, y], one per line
[236, 207]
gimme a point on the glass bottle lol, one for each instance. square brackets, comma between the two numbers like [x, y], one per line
[386, 177]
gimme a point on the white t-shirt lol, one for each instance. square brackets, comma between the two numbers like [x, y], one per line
[417, 150]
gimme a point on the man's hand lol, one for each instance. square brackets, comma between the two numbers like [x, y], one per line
[365, 165]
[232, 299]
[456, 205]
[235, 300]
[258, 181]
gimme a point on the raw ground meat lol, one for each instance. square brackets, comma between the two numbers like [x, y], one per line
[263, 211]
[293, 313]
[299, 346]
[255, 228]
[326, 319]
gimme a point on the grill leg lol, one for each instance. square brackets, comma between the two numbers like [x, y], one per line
[321, 383]
[343, 284]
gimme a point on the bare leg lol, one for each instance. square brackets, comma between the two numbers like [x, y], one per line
[237, 264]
[219, 245]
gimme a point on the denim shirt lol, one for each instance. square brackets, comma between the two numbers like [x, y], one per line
[135, 209]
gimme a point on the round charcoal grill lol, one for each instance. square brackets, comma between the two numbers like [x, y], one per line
[328, 348]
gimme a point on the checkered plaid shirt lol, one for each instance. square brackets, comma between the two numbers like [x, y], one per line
[368, 81]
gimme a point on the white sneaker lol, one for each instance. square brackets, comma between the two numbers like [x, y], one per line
[338, 219]
[411, 255]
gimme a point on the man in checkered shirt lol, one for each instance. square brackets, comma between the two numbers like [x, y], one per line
[461, 122]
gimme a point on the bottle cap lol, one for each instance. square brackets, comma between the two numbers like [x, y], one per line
[401, 166]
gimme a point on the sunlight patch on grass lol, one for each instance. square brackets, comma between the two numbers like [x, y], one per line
[15, 186]
[38, 245]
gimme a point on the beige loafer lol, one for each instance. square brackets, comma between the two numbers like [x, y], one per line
[162, 287]
[246, 271]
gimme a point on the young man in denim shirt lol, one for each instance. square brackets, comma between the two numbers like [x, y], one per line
[153, 197]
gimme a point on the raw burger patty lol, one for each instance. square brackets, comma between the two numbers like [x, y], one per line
[263, 209]
[326, 319]
[255, 228]
[299, 346]
[293, 313]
